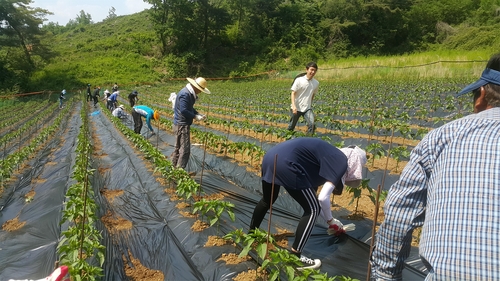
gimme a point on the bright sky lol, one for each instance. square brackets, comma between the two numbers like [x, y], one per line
[65, 10]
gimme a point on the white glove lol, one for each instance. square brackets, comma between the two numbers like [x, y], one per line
[337, 228]
[200, 117]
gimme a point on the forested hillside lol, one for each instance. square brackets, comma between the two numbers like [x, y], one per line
[230, 37]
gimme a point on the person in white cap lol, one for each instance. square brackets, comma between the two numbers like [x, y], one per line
[184, 114]
[450, 188]
[302, 165]
[61, 98]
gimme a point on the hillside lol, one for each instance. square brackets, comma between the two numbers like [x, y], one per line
[125, 49]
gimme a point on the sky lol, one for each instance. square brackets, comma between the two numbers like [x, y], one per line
[65, 10]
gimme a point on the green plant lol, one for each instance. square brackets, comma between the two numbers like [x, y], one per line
[214, 209]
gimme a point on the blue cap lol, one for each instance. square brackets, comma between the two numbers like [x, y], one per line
[489, 76]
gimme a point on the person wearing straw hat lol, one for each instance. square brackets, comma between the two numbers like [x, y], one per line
[119, 111]
[450, 188]
[184, 114]
[140, 111]
[301, 166]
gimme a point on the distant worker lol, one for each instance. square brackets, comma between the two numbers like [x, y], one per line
[184, 113]
[113, 99]
[96, 95]
[304, 87]
[115, 87]
[133, 98]
[119, 112]
[139, 111]
[61, 98]
[88, 92]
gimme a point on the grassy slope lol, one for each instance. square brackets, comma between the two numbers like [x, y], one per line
[125, 50]
[115, 50]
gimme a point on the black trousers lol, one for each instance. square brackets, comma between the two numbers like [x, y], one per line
[307, 200]
[137, 122]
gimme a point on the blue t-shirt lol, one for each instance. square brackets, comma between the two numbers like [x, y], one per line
[304, 163]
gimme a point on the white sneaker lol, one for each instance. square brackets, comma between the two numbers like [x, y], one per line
[309, 263]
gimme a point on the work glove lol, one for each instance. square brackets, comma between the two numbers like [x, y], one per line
[337, 228]
[200, 117]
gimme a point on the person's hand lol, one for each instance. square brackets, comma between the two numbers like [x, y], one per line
[200, 117]
[335, 227]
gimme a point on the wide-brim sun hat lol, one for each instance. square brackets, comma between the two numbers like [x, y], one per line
[121, 106]
[488, 76]
[200, 83]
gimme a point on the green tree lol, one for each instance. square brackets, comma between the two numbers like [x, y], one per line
[111, 13]
[20, 40]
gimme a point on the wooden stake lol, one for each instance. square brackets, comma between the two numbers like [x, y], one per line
[374, 226]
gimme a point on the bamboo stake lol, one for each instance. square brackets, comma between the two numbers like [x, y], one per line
[374, 226]
[271, 203]
[204, 152]
[388, 155]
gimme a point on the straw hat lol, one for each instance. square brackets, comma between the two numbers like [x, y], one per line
[200, 83]
[121, 106]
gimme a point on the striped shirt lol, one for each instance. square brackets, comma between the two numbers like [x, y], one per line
[450, 187]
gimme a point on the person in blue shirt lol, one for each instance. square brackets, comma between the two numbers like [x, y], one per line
[140, 111]
[113, 100]
[301, 165]
[184, 113]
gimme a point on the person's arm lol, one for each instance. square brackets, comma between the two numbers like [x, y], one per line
[324, 200]
[148, 122]
[184, 108]
[294, 107]
[404, 210]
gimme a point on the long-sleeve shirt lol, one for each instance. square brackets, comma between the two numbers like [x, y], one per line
[451, 187]
[184, 111]
[304, 163]
[146, 112]
[113, 97]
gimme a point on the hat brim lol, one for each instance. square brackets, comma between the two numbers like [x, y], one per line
[488, 76]
[471, 87]
[192, 82]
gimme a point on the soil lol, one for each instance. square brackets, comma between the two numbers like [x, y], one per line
[13, 224]
[114, 223]
[111, 194]
[138, 272]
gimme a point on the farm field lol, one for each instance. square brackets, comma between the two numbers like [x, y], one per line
[79, 187]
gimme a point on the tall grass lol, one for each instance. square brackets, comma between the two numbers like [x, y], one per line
[435, 64]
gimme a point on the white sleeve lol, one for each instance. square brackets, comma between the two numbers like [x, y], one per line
[324, 200]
